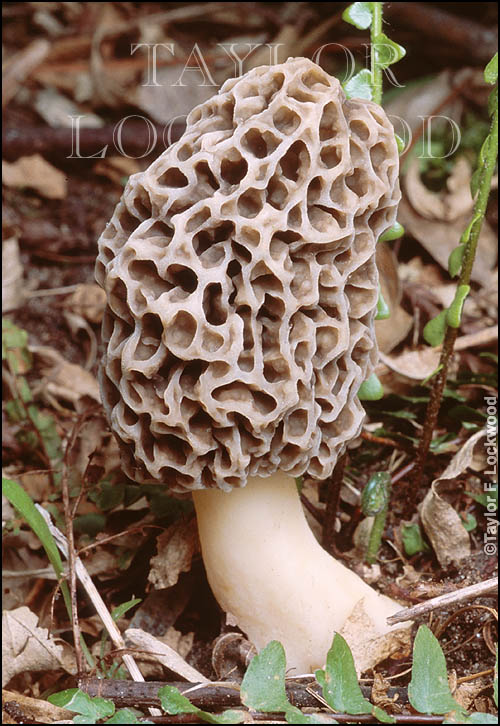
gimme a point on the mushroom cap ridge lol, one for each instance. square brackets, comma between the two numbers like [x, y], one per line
[242, 287]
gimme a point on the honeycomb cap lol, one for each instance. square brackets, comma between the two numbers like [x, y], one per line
[241, 283]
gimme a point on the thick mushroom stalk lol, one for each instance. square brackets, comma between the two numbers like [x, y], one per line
[266, 569]
[242, 288]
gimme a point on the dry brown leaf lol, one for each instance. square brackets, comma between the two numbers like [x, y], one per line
[26, 647]
[369, 650]
[167, 101]
[19, 66]
[449, 538]
[12, 268]
[414, 364]
[443, 526]
[394, 329]
[116, 168]
[65, 380]
[440, 237]
[444, 206]
[35, 173]
[182, 643]
[176, 547]
[420, 101]
[57, 110]
[35, 709]
[466, 693]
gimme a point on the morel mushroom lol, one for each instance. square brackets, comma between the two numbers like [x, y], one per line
[242, 288]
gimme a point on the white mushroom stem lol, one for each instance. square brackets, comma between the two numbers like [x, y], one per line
[268, 571]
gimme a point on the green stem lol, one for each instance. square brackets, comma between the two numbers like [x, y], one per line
[376, 537]
[376, 30]
[451, 333]
[481, 202]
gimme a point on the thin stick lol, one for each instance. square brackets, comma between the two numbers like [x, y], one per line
[332, 505]
[71, 547]
[465, 593]
[97, 601]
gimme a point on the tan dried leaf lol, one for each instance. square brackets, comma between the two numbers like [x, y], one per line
[35, 173]
[65, 380]
[12, 287]
[35, 709]
[88, 300]
[176, 547]
[26, 647]
[394, 329]
[415, 364]
[440, 237]
[117, 169]
[369, 650]
[443, 526]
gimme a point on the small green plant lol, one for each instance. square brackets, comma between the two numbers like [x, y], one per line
[36, 431]
[93, 710]
[443, 329]
[368, 84]
[263, 690]
[374, 503]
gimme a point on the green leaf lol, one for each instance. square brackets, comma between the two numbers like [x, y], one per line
[493, 102]
[413, 541]
[491, 70]
[359, 14]
[360, 86]
[400, 143]
[469, 522]
[387, 51]
[454, 312]
[383, 311]
[90, 708]
[375, 495]
[428, 691]
[120, 610]
[108, 494]
[126, 715]
[468, 230]
[455, 259]
[340, 685]
[25, 506]
[174, 703]
[476, 177]
[91, 524]
[263, 685]
[435, 329]
[46, 426]
[395, 232]
[475, 717]
[371, 389]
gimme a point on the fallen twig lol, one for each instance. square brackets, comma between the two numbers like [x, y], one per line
[465, 593]
[61, 142]
[212, 696]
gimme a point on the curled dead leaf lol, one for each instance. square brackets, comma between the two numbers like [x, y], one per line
[443, 526]
[26, 647]
[176, 547]
[65, 380]
[88, 301]
[369, 647]
[12, 287]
